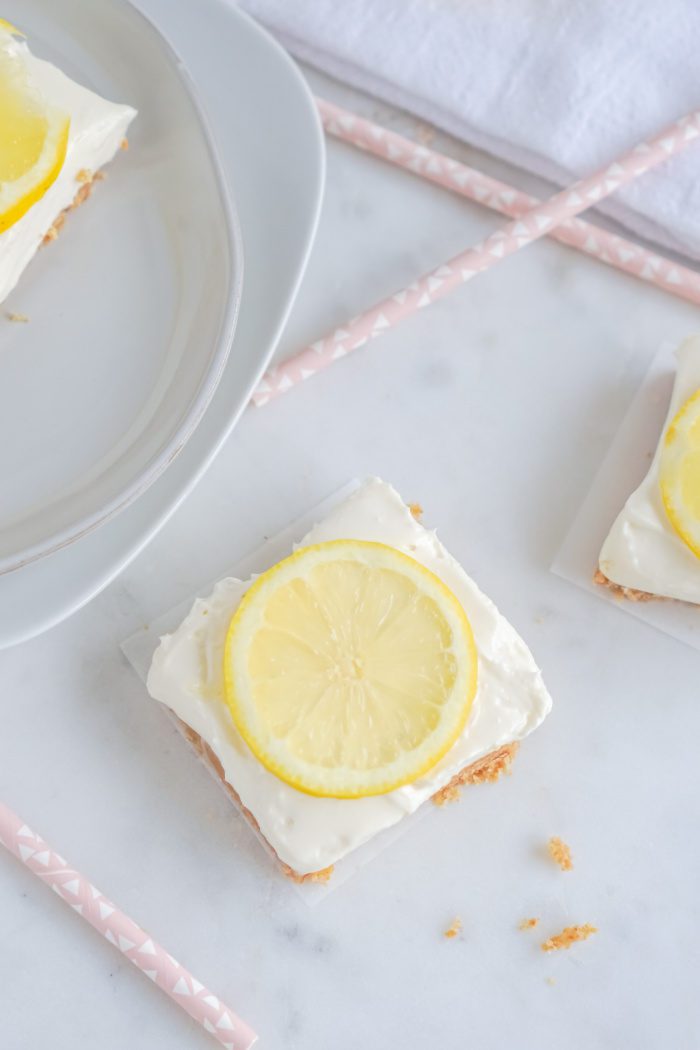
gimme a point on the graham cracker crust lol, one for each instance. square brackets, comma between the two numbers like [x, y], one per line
[628, 593]
[488, 768]
[87, 181]
[211, 760]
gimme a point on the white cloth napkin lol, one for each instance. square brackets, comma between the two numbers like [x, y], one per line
[557, 87]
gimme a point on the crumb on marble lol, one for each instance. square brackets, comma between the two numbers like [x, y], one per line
[528, 924]
[560, 853]
[17, 318]
[454, 930]
[550, 980]
[124, 144]
[568, 936]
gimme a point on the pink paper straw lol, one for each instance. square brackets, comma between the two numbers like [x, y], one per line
[435, 167]
[445, 278]
[124, 934]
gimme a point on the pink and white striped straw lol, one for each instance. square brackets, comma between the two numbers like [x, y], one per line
[473, 185]
[124, 934]
[445, 278]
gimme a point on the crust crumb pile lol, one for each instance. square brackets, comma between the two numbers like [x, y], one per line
[568, 936]
[87, 181]
[528, 924]
[485, 769]
[560, 853]
[447, 794]
[321, 876]
[53, 231]
[454, 929]
[629, 593]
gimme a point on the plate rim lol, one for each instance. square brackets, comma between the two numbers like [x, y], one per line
[144, 478]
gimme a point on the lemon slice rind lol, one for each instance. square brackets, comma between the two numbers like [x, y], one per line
[679, 444]
[9, 28]
[36, 143]
[18, 197]
[342, 781]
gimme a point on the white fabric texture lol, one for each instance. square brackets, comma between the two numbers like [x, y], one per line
[557, 87]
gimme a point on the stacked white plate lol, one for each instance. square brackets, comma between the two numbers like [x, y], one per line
[147, 331]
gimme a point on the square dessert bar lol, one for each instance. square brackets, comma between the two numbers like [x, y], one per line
[308, 833]
[651, 550]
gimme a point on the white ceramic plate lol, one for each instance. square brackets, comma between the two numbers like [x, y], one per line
[269, 139]
[132, 310]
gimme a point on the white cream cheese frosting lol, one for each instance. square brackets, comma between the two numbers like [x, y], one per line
[97, 129]
[310, 833]
[643, 550]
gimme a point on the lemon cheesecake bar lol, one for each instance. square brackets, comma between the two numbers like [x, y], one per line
[55, 136]
[355, 680]
[653, 547]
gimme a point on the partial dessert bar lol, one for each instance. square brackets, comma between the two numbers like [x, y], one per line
[310, 833]
[653, 547]
[61, 135]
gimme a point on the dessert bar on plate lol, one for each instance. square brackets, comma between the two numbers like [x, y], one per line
[352, 682]
[653, 547]
[56, 136]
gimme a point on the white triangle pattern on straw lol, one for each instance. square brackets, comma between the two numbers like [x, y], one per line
[557, 218]
[158, 965]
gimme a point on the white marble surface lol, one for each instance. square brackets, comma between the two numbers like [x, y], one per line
[493, 408]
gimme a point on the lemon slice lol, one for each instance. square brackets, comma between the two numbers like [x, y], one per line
[33, 140]
[350, 669]
[679, 473]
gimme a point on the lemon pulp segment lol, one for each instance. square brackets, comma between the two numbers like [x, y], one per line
[33, 140]
[350, 669]
[679, 473]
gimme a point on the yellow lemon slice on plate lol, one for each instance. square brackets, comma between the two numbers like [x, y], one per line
[33, 137]
[350, 669]
[679, 473]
